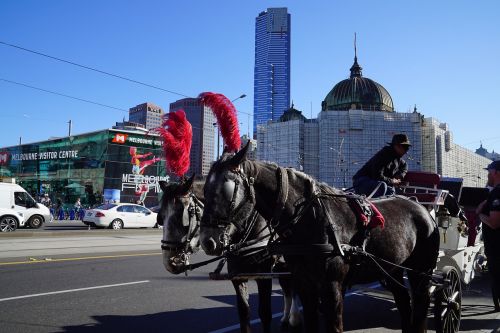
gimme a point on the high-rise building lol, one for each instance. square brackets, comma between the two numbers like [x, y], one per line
[147, 114]
[272, 65]
[202, 120]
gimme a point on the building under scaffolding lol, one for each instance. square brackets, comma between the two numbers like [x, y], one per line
[357, 119]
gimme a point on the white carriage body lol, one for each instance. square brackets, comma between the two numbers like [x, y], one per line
[454, 250]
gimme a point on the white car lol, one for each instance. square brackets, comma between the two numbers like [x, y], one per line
[120, 215]
[10, 219]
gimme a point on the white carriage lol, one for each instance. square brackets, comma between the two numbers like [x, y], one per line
[461, 252]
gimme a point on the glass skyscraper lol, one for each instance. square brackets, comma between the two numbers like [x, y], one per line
[272, 65]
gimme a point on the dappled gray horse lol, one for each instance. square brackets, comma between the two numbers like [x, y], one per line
[312, 219]
[180, 214]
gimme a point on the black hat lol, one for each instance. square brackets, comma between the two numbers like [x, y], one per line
[400, 139]
[495, 165]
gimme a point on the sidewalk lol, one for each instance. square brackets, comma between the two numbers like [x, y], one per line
[79, 242]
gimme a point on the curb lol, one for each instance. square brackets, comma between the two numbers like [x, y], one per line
[78, 233]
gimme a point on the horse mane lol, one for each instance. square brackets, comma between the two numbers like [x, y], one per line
[312, 185]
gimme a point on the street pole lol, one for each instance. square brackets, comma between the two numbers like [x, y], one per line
[218, 141]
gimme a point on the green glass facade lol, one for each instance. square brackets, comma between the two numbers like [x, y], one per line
[88, 166]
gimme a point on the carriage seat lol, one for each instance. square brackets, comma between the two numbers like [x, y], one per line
[423, 186]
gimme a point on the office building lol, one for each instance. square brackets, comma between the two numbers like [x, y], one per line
[203, 122]
[147, 114]
[272, 65]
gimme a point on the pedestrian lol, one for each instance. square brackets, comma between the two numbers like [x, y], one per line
[78, 204]
[385, 170]
[59, 213]
[489, 214]
[46, 200]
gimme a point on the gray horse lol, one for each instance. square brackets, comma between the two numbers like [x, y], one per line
[180, 215]
[313, 221]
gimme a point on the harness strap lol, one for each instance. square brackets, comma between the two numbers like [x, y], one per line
[300, 249]
[282, 197]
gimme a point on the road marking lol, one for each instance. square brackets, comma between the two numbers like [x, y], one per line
[280, 314]
[37, 261]
[72, 290]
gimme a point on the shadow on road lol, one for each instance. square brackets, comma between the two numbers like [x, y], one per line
[189, 320]
[363, 311]
[472, 318]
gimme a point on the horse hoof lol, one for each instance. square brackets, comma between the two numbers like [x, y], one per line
[294, 329]
[284, 327]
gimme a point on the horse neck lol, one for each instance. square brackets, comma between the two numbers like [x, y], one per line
[265, 185]
[300, 187]
[269, 190]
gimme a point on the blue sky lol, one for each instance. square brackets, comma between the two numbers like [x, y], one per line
[440, 55]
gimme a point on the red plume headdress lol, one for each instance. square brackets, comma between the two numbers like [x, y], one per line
[225, 112]
[177, 136]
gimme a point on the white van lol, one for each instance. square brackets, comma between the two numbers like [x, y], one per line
[15, 197]
[10, 219]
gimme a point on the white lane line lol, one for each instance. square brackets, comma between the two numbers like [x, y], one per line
[280, 314]
[72, 290]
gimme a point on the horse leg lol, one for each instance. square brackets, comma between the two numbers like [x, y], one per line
[286, 287]
[292, 317]
[421, 300]
[310, 299]
[295, 315]
[243, 306]
[265, 311]
[332, 305]
[402, 299]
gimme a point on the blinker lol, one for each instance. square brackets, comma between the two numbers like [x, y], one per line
[228, 190]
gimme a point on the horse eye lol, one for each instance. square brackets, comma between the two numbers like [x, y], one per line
[230, 176]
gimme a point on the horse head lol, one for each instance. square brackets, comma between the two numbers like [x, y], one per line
[230, 202]
[180, 215]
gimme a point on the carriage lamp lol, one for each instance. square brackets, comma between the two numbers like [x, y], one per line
[444, 220]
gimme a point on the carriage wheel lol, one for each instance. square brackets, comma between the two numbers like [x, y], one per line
[448, 302]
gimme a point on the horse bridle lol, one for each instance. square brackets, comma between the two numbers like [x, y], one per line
[184, 248]
[240, 179]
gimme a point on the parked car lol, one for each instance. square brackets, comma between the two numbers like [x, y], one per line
[120, 215]
[10, 219]
[156, 209]
[13, 196]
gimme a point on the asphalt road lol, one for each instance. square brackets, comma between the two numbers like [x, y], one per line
[90, 282]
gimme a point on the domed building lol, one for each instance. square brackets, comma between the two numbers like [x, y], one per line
[358, 93]
[356, 120]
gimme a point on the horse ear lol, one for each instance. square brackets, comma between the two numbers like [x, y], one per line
[240, 156]
[163, 185]
[185, 186]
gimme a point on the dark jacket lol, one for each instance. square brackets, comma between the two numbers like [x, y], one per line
[385, 166]
[492, 236]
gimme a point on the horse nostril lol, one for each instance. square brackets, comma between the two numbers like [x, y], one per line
[209, 245]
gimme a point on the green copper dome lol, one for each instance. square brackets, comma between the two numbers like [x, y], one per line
[359, 93]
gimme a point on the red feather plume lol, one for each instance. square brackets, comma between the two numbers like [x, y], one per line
[225, 112]
[177, 136]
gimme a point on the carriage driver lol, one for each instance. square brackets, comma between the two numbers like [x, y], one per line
[489, 214]
[384, 170]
